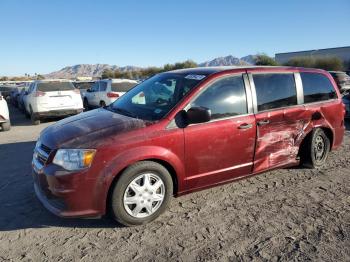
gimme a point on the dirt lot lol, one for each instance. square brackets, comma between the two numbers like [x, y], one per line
[282, 215]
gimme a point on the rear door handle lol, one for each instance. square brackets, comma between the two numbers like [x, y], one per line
[245, 126]
[263, 122]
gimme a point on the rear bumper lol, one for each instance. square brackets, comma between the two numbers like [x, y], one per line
[4, 119]
[57, 113]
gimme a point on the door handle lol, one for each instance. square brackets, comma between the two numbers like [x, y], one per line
[263, 122]
[245, 126]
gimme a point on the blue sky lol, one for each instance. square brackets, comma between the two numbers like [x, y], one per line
[42, 36]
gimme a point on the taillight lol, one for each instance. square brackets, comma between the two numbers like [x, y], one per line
[110, 94]
[39, 93]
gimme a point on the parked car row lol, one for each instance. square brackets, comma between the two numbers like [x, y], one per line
[105, 92]
[342, 80]
[5, 123]
[43, 99]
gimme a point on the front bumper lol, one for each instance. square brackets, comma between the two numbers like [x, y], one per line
[58, 113]
[64, 193]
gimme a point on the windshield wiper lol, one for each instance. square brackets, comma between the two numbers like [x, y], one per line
[123, 111]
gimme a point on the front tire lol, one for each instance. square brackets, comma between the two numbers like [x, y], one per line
[316, 149]
[141, 194]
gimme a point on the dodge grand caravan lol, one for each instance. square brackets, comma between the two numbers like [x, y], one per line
[182, 131]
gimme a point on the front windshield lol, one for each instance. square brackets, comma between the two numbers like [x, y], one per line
[156, 96]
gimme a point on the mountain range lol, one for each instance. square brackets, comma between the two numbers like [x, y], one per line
[95, 70]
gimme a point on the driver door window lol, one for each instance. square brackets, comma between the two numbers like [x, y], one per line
[224, 98]
[161, 93]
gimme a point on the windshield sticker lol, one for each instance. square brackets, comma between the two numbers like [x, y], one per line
[195, 77]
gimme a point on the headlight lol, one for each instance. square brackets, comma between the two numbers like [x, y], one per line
[74, 159]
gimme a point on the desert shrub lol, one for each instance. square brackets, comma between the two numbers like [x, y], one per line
[326, 63]
[147, 72]
[265, 60]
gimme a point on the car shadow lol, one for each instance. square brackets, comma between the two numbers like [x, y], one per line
[18, 118]
[20, 209]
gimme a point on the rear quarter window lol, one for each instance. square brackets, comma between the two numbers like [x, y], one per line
[275, 91]
[317, 87]
[55, 86]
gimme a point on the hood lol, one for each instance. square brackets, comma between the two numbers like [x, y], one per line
[86, 128]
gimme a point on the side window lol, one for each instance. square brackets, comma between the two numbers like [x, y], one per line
[103, 86]
[95, 87]
[275, 91]
[32, 87]
[226, 97]
[122, 86]
[317, 87]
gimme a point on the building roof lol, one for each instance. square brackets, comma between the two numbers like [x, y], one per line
[314, 50]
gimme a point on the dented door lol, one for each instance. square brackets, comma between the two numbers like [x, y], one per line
[279, 134]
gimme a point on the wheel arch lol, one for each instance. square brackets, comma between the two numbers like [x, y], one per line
[176, 174]
[327, 130]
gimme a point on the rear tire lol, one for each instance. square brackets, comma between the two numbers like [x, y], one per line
[315, 149]
[35, 120]
[27, 115]
[6, 126]
[149, 199]
[102, 104]
[86, 104]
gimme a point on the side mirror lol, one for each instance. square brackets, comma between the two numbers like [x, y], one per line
[88, 90]
[197, 115]
[194, 115]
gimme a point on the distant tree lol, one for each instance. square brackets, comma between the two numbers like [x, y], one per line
[107, 74]
[40, 77]
[4, 78]
[265, 60]
[148, 71]
[302, 61]
[326, 63]
[330, 64]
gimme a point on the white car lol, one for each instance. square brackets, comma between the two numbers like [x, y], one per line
[105, 92]
[52, 98]
[4, 115]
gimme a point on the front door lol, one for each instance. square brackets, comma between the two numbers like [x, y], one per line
[222, 149]
[93, 94]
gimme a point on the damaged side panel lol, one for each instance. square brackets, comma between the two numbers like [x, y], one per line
[280, 134]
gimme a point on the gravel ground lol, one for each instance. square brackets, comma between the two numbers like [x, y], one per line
[289, 214]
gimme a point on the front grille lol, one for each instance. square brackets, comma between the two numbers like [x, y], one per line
[42, 160]
[46, 149]
[41, 154]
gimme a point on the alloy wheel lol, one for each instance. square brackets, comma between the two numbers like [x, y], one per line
[144, 195]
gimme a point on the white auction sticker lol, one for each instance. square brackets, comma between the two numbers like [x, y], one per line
[195, 77]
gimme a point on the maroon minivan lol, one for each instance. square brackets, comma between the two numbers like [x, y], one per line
[182, 131]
